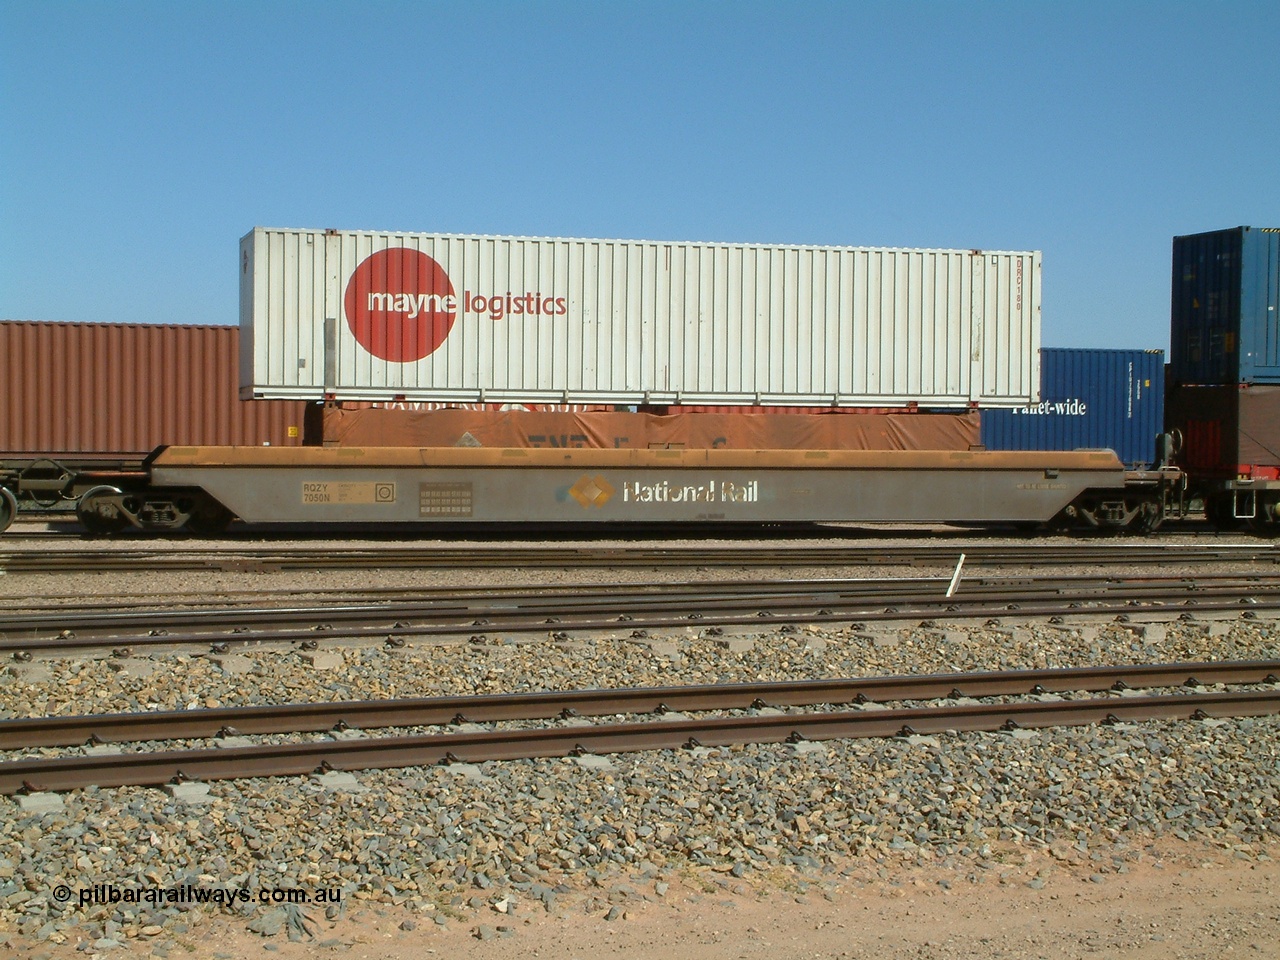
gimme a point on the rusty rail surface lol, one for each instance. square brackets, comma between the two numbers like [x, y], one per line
[25, 733]
[231, 557]
[386, 753]
[671, 595]
[614, 608]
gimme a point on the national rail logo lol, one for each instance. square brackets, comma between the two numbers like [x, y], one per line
[592, 491]
[400, 304]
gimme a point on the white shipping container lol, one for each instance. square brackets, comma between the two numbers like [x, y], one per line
[425, 317]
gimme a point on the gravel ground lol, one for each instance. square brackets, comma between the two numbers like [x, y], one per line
[486, 849]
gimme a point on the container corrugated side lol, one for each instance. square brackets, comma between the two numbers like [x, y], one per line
[423, 317]
[1227, 432]
[1088, 399]
[1226, 307]
[125, 389]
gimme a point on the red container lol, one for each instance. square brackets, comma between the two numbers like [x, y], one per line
[123, 389]
[1227, 432]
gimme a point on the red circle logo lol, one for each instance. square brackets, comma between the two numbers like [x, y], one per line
[400, 304]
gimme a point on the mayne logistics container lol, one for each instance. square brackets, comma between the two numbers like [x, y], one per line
[1226, 307]
[425, 317]
[120, 390]
[1089, 399]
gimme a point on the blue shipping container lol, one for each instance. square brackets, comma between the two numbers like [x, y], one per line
[1088, 399]
[1226, 307]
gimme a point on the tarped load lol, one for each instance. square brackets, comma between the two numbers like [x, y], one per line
[450, 428]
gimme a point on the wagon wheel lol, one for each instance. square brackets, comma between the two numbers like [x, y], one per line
[99, 512]
[8, 508]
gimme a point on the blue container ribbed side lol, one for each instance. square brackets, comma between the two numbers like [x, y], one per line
[1089, 399]
[1225, 307]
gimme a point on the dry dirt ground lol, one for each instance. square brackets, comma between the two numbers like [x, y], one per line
[1177, 901]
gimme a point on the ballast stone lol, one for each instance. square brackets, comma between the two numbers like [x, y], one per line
[590, 761]
[40, 804]
[189, 792]
[334, 781]
[807, 748]
[233, 664]
[1209, 753]
[323, 661]
[30, 672]
[131, 667]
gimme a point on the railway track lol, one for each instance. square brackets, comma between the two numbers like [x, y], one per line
[234, 558]
[492, 708]
[63, 605]
[669, 731]
[632, 609]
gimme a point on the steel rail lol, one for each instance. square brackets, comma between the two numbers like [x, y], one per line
[26, 733]
[68, 602]
[544, 594]
[661, 597]
[112, 770]
[63, 605]
[475, 556]
[478, 624]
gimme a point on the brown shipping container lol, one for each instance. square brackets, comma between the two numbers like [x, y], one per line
[1228, 432]
[694, 431]
[125, 388]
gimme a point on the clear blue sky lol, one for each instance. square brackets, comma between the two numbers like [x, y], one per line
[140, 140]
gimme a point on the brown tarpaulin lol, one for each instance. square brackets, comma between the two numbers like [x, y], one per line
[449, 428]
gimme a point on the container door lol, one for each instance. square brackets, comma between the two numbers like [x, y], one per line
[1260, 306]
